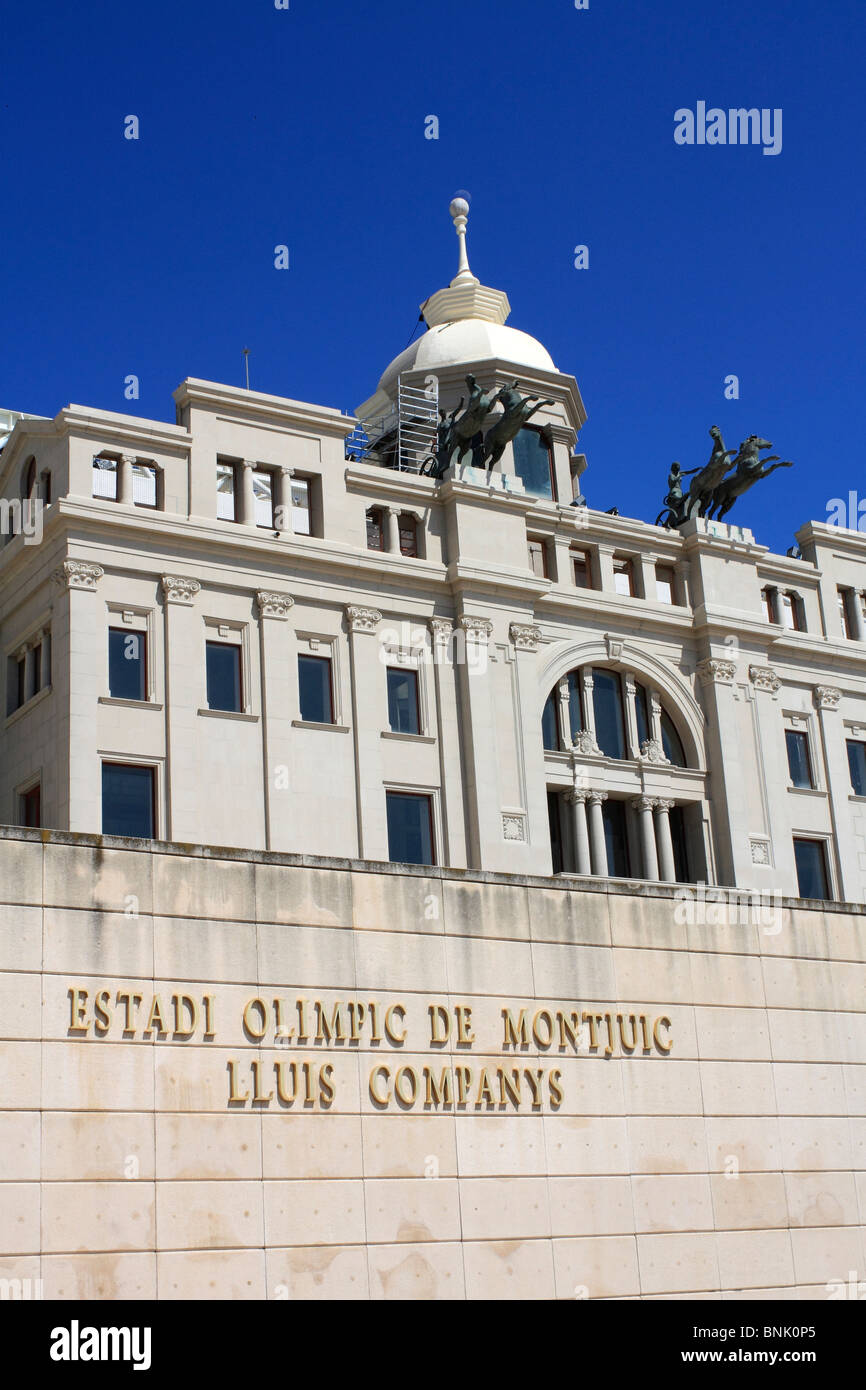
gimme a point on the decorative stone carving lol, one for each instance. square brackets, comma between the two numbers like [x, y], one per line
[78, 574]
[362, 619]
[764, 678]
[826, 697]
[514, 827]
[714, 671]
[662, 804]
[476, 629]
[578, 794]
[760, 852]
[597, 797]
[652, 751]
[643, 803]
[442, 629]
[176, 589]
[525, 636]
[614, 647]
[273, 605]
[585, 744]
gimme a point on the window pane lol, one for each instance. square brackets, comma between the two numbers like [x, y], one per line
[105, 478]
[555, 831]
[408, 536]
[615, 838]
[664, 584]
[126, 664]
[314, 683]
[676, 817]
[550, 724]
[301, 507]
[641, 711]
[403, 701]
[575, 714]
[671, 742]
[582, 570]
[811, 869]
[143, 485]
[799, 763]
[264, 495]
[622, 578]
[223, 676]
[789, 617]
[374, 530]
[31, 808]
[21, 679]
[857, 764]
[607, 704]
[532, 463]
[410, 828]
[226, 491]
[127, 800]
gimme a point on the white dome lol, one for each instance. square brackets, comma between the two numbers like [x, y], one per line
[466, 340]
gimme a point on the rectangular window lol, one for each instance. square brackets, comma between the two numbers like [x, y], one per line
[679, 841]
[538, 558]
[301, 524]
[582, 569]
[127, 664]
[665, 583]
[226, 491]
[799, 760]
[144, 485]
[845, 613]
[223, 660]
[533, 462]
[616, 838]
[316, 690]
[792, 612]
[37, 668]
[553, 808]
[375, 530]
[263, 492]
[31, 807]
[403, 714]
[410, 828]
[607, 707]
[128, 800]
[812, 877]
[623, 577]
[21, 682]
[105, 478]
[408, 535]
[768, 596]
[857, 765]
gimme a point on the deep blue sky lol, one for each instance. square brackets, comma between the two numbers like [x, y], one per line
[306, 127]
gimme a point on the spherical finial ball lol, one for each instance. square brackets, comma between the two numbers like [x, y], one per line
[459, 207]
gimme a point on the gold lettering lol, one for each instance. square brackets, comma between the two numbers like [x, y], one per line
[131, 1003]
[464, 1024]
[308, 1084]
[235, 1097]
[302, 1020]
[326, 1085]
[398, 1082]
[395, 1038]
[441, 1091]
[511, 1086]
[464, 1076]
[180, 1002]
[543, 1016]
[516, 1035]
[593, 1034]
[282, 1092]
[249, 1024]
[555, 1088]
[376, 1097]
[258, 1098]
[536, 1080]
[569, 1028]
[627, 1046]
[357, 1013]
[609, 1025]
[440, 1024]
[485, 1090]
[78, 1022]
[662, 1022]
[646, 1041]
[102, 1012]
[376, 1035]
[326, 1028]
[283, 1031]
[155, 1021]
[208, 1001]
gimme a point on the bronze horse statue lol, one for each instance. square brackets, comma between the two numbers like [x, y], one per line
[749, 469]
[516, 412]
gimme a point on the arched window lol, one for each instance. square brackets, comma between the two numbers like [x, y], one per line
[607, 708]
[550, 724]
[611, 725]
[28, 479]
[671, 741]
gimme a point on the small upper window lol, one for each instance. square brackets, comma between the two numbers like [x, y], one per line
[665, 583]
[792, 612]
[315, 689]
[581, 569]
[226, 492]
[799, 759]
[403, 711]
[224, 687]
[408, 528]
[533, 462]
[410, 828]
[263, 492]
[144, 485]
[538, 558]
[623, 576]
[127, 664]
[813, 880]
[375, 529]
[31, 807]
[105, 478]
[857, 766]
[28, 480]
[301, 524]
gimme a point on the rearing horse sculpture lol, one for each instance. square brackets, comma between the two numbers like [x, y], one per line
[516, 412]
[748, 470]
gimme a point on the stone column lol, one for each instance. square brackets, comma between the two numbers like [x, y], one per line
[598, 848]
[858, 629]
[247, 497]
[283, 500]
[392, 530]
[563, 711]
[185, 694]
[79, 627]
[644, 807]
[582, 857]
[588, 706]
[482, 801]
[124, 479]
[604, 562]
[667, 870]
[631, 737]
[533, 854]
[367, 679]
[448, 733]
[280, 809]
[845, 846]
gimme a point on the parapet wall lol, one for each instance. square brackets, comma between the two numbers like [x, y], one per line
[229, 1074]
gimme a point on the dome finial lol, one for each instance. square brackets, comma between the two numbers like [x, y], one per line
[459, 210]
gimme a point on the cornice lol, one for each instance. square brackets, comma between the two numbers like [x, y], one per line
[105, 425]
[368, 478]
[251, 405]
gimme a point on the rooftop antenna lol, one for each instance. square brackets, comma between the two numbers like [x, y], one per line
[247, 366]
